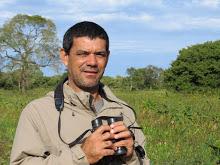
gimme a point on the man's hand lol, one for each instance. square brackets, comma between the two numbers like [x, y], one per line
[120, 131]
[98, 144]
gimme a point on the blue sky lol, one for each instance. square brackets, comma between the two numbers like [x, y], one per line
[142, 32]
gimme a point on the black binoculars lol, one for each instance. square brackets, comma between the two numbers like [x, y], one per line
[110, 119]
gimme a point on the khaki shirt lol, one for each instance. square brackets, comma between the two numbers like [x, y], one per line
[37, 130]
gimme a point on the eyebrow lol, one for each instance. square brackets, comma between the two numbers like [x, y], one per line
[81, 51]
[85, 51]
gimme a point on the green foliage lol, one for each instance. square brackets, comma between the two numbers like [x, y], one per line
[11, 104]
[36, 79]
[26, 43]
[117, 82]
[197, 67]
[7, 81]
[179, 128]
[148, 77]
[137, 79]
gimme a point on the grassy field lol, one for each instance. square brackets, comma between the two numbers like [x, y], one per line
[179, 128]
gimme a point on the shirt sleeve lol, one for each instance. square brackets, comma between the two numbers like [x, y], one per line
[139, 139]
[28, 147]
[135, 159]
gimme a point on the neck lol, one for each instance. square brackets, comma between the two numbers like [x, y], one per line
[94, 91]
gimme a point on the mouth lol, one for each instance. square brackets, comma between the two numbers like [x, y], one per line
[90, 72]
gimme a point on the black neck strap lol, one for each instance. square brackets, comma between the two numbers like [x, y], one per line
[59, 104]
[59, 96]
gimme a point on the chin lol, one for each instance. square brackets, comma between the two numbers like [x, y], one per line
[92, 85]
[90, 88]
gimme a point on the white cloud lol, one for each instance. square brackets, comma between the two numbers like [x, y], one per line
[115, 2]
[103, 17]
[184, 22]
[99, 4]
[5, 15]
[3, 3]
[127, 11]
[207, 3]
[129, 46]
[139, 46]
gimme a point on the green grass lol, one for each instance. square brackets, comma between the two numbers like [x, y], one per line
[11, 104]
[178, 127]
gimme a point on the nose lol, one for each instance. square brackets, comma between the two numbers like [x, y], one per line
[91, 60]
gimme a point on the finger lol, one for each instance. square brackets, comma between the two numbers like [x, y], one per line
[102, 129]
[107, 144]
[115, 124]
[106, 136]
[123, 135]
[119, 128]
[130, 148]
[126, 143]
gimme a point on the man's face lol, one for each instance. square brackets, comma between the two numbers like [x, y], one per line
[86, 63]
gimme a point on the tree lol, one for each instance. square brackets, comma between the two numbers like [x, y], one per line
[7, 80]
[148, 77]
[196, 67]
[10, 80]
[28, 42]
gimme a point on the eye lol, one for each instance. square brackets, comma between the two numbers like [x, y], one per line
[101, 54]
[82, 53]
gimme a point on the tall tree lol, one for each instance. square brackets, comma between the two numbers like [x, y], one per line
[28, 42]
[148, 77]
[196, 67]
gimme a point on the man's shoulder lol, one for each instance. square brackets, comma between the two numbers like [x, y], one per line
[110, 95]
[44, 100]
[126, 107]
[40, 104]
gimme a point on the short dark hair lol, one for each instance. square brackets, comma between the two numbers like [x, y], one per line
[84, 29]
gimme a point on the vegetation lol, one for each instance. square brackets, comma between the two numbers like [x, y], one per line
[11, 104]
[142, 78]
[150, 77]
[197, 67]
[26, 44]
[138, 79]
[179, 128]
[9, 80]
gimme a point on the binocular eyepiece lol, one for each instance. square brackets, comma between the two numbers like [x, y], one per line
[110, 119]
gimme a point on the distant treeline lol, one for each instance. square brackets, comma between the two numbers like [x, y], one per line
[137, 79]
[22, 55]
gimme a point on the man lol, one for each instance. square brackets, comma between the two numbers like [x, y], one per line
[47, 136]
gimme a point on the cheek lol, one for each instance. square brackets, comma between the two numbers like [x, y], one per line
[75, 63]
[72, 68]
[103, 63]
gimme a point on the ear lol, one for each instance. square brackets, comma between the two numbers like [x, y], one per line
[64, 57]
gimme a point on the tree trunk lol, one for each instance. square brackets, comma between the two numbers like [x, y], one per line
[19, 85]
[23, 84]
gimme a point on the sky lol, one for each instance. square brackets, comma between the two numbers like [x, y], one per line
[141, 32]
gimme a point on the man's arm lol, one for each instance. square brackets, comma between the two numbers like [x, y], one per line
[28, 147]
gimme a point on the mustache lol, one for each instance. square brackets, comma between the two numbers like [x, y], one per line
[89, 69]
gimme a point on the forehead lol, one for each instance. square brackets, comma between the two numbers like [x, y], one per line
[87, 43]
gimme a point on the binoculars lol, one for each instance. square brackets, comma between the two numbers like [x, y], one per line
[110, 119]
